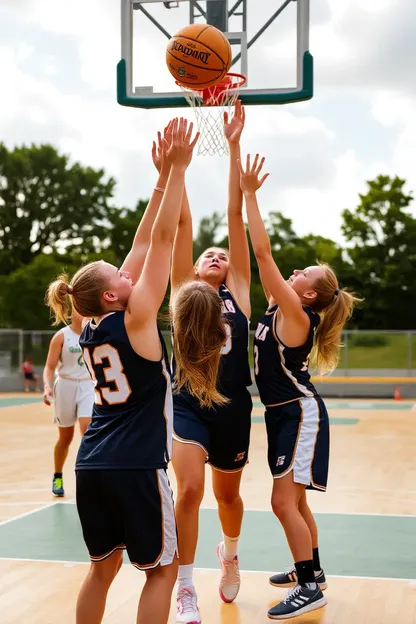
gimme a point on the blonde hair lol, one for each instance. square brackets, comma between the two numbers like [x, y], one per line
[83, 291]
[335, 306]
[199, 335]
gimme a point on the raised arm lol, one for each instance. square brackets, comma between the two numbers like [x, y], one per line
[238, 278]
[273, 281]
[182, 259]
[148, 293]
[136, 257]
[54, 355]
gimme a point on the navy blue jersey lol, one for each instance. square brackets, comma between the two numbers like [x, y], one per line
[282, 372]
[234, 373]
[132, 418]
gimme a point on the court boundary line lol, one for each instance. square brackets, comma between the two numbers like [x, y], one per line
[28, 513]
[128, 564]
[211, 508]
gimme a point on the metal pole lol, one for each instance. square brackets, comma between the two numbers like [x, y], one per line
[265, 27]
[21, 346]
[154, 21]
[217, 14]
[409, 354]
[346, 366]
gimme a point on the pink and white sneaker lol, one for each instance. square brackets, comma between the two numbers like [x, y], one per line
[187, 611]
[230, 577]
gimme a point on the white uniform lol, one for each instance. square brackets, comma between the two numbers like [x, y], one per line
[73, 389]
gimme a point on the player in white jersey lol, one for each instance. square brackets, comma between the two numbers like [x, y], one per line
[72, 392]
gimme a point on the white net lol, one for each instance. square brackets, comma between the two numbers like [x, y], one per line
[209, 106]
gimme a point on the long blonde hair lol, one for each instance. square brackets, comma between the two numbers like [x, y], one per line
[335, 306]
[83, 291]
[199, 335]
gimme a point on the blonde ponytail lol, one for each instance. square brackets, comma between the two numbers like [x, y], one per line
[335, 306]
[58, 300]
[199, 335]
[86, 289]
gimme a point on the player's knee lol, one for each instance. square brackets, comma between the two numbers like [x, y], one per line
[227, 500]
[282, 506]
[105, 571]
[167, 573]
[191, 493]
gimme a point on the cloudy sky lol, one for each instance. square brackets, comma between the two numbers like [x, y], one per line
[58, 59]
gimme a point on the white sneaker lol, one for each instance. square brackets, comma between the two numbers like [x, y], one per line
[187, 611]
[230, 578]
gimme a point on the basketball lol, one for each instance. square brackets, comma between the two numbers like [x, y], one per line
[199, 56]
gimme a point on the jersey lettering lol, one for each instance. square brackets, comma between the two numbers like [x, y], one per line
[261, 332]
[228, 306]
[228, 345]
[256, 360]
[112, 373]
[88, 363]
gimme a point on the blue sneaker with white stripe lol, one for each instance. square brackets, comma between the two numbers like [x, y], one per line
[298, 601]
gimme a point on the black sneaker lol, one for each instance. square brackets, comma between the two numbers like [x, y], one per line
[290, 579]
[297, 601]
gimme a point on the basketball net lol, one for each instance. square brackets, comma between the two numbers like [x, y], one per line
[209, 106]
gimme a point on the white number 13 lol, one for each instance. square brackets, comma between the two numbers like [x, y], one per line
[113, 372]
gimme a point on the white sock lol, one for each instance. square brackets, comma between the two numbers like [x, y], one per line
[230, 547]
[185, 573]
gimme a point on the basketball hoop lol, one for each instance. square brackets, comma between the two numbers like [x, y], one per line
[209, 105]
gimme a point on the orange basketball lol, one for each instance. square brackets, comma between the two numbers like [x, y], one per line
[199, 56]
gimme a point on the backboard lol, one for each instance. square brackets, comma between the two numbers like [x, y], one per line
[269, 39]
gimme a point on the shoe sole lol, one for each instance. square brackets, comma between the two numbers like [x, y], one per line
[223, 598]
[312, 607]
[322, 586]
[58, 495]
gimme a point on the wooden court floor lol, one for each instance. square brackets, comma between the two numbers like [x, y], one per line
[367, 522]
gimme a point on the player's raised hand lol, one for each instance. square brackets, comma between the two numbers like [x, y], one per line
[234, 127]
[181, 150]
[250, 180]
[160, 149]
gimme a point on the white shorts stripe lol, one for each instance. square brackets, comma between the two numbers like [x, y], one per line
[170, 545]
[305, 450]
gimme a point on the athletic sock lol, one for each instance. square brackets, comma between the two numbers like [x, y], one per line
[185, 573]
[316, 562]
[230, 547]
[306, 575]
[57, 475]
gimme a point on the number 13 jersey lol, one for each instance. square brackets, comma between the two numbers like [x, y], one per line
[132, 419]
[282, 372]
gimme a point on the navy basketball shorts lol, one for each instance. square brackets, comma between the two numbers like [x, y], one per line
[127, 509]
[223, 433]
[298, 441]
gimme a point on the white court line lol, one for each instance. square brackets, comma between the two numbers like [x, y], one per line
[347, 576]
[19, 491]
[27, 513]
[337, 513]
[22, 503]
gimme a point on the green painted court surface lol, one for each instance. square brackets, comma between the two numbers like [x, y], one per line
[344, 405]
[351, 545]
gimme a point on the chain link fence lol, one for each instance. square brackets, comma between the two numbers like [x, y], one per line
[363, 352]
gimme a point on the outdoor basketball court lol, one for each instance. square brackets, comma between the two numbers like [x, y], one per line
[367, 522]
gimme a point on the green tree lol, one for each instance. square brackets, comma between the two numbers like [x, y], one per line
[124, 223]
[207, 234]
[23, 291]
[382, 236]
[47, 204]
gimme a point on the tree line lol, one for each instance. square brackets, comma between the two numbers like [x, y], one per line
[56, 215]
